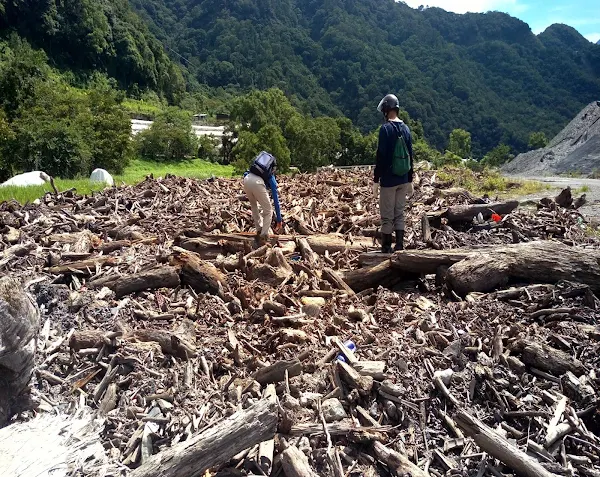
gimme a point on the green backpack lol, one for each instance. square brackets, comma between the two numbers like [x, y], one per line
[401, 157]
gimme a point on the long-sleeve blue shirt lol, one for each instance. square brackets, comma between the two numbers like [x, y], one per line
[388, 135]
[272, 184]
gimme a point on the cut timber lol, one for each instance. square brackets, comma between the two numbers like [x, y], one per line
[396, 462]
[276, 372]
[295, 463]
[19, 324]
[200, 275]
[498, 447]
[465, 213]
[546, 358]
[539, 262]
[216, 445]
[158, 277]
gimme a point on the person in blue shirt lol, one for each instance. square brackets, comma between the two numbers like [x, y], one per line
[394, 189]
[256, 180]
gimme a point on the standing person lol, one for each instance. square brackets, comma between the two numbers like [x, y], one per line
[393, 171]
[260, 175]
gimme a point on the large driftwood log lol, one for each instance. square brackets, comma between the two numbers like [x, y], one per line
[397, 463]
[466, 213]
[216, 445]
[200, 275]
[498, 447]
[540, 262]
[546, 358]
[382, 274]
[158, 277]
[19, 324]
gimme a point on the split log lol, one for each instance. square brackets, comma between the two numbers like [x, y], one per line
[363, 384]
[295, 463]
[396, 462]
[276, 372]
[546, 358]
[539, 262]
[200, 275]
[158, 277]
[19, 324]
[466, 213]
[216, 445]
[498, 447]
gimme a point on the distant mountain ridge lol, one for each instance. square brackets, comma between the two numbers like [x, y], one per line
[487, 73]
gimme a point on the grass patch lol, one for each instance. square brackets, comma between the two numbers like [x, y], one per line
[134, 173]
[582, 189]
[488, 181]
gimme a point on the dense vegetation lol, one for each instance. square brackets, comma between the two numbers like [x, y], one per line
[486, 73]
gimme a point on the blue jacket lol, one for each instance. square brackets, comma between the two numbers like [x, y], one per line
[388, 135]
[272, 184]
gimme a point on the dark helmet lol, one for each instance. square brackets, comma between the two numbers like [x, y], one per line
[388, 103]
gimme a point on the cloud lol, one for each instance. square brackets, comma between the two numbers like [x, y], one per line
[464, 6]
[593, 37]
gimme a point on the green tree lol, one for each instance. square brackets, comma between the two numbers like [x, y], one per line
[22, 70]
[111, 140]
[460, 143]
[537, 140]
[260, 108]
[54, 132]
[424, 152]
[313, 142]
[170, 138]
[269, 139]
[7, 136]
[497, 156]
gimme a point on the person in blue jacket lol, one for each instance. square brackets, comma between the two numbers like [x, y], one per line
[256, 180]
[394, 189]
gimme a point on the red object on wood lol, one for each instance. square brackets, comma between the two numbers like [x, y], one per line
[496, 218]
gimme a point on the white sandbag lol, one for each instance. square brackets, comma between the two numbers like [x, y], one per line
[33, 178]
[101, 175]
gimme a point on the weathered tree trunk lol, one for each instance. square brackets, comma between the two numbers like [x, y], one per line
[195, 272]
[466, 213]
[162, 276]
[19, 324]
[382, 274]
[216, 445]
[498, 447]
[540, 262]
[332, 277]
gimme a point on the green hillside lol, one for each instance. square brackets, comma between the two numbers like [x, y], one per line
[487, 73]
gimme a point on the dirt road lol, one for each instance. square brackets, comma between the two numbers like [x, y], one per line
[589, 187]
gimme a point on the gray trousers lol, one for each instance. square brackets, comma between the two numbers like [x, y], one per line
[391, 206]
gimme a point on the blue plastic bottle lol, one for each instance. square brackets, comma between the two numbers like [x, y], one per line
[351, 346]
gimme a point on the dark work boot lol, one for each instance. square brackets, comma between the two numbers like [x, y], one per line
[399, 240]
[386, 243]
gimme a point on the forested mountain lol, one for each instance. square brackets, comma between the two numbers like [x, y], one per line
[90, 36]
[487, 73]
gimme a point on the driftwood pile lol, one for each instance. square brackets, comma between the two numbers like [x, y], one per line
[474, 352]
